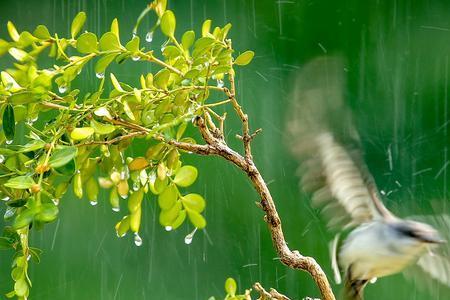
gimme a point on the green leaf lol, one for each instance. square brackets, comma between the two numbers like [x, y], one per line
[33, 146]
[196, 219]
[167, 217]
[18, 54]
[22, 98]
[168, 197]
[81, 133]
[128, 111]
[48, 213]
[9, 123]
[20, 182]
[12, 31]
[101, 128]
[116, 83]
[230, 286]
[104, 62]
[62, 156]
[41, 32]
[115, 27]
[135, 200]
[206, 27]
[194, 201]
[161, 79]
[188, 39]
[77, 23]
[202, 44]
[133, 45]
[179, 220]
[245, 58]
[185, 176]
[109, 41]
[9, 82]
[168, 23]
[21, 287]
[87, 43]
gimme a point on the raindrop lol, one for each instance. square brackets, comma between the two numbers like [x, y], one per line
[93, 203]
[100, 75]
[62, 89]
[168, 228]
[189, 237]
[136, 57]
[219, 83]
[137, 239]
[55, 201]
[116, 209]
[149, 36]
[134, 34]
[124, 196]
[6, 198]
[120, 236]
[28, 257]
[9, 142]
[2, 159]
[136, 186]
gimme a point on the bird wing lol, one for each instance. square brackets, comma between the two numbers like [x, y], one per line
[322, 137]
[433, 268]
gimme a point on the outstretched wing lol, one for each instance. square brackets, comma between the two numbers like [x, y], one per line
[322, 137]
[433, 268]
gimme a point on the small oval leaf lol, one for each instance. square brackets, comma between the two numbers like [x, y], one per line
[186, 176]
[245, 58]
[168, 23]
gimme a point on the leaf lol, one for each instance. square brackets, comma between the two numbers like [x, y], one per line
[104, 62]
[128, 111]
[168, 23]
[92, 189]
[109, 41]
[185, 176]
[62, 156]
[87, 43]
[18, 54]
[48, 213]
[24, 218]
[78, 185]
[133, 45]
[77, 23]
[102, 112]
[135, 220]
[188, 39]
[194, 201]
[206, 27]
[32, 146]
[12, 31]
[196, 219]
[9, 82]
[202, 44]
[21, 287]
[245, 58]
[101, 128]
[41, 32]
[138, 163]
[167, 217]
[20, 182]
[168, 197]
[179, 220]
[161, 79]
[135, 200]
[116, 83]
[115, 27]
[82, 133]
[230, 286]
[9, 123]
[5, 243]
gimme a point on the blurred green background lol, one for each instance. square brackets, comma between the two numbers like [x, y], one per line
[397, 55]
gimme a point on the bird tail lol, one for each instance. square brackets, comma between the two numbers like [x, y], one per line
[354, 289]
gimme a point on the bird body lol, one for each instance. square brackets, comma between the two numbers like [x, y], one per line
[332, 169]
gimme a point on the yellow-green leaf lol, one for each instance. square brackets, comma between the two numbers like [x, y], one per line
[186, 176]
[168, 197]
[9, 82]
[41, 32]
[101, 128]
[135, 200]
[138, 163]
[196, 219]
[168, 23]
[230, 286]
[179, 220]
[115, 27]
[109, 41]
[20, 182]
[245, 58]
[104, 62]
[62, 156]
[206, 27]
[167, 217]
[87, 43]
[12, 31]
[82, 133]
[161, 79]
[194, 201]
[116, 83]
[77, 23]
[188, 39]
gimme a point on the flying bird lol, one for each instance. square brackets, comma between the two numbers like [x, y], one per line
[322, 136]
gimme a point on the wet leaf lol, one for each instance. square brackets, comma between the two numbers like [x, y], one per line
[179, 220]
[92, 189]
[230, 286]
[24, 218]
[168, 23]
[41, 32]
[104, 62]
[135, 200]
[206, 27]
[9, 123]
[196, 219]
[188, 39]
[77, 23]
[101, 128]
[133, 45]
[82, 133]
[245, 58]
[62, 156]
[87, 43]
[20, 182]
[135, 220]
[138, 163]
[167, 217]
[116, 83]
[21, 287]
[12, 31]
[161, 79]
[78, 185]
[168, 197]
[109, 41]
[194, 202]
[186, 176]
[48, 213]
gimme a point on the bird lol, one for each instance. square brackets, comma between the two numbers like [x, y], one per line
[370, 241]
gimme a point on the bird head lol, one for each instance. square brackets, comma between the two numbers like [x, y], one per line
[419, 232]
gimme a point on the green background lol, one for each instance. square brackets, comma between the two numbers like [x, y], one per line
[397, 55]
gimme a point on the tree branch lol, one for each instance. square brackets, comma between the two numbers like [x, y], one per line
[273, 294]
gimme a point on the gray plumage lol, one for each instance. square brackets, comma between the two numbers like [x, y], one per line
[323, 138]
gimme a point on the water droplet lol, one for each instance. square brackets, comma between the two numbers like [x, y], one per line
[100, 75]
[220, 83]
[136, 186]
[6, 198]
[124, 196]
[120, 236]
[116, 209]
[134, 34]
[28, 257]
[189, 237]
[136, 57]
[137, 239]
[149, 36]
[93, 203]
[163, 48]
[62, 89]
[168, 228]
[9, 142]
[2, 158]
[55, 201]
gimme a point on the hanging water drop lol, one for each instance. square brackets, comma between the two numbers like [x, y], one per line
[100, 75]
[135, 57]
[137, 239]
[124, 196]
[55, 201]
[62, 89]
[9, 142]
[168, 228]
[220, 83]
[116, 209]
[5, 198]
[190, 236]
[2, 159]
[149, 36]
[93, 203]
[136, 186]
[28, 257]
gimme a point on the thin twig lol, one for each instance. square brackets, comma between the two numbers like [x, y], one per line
[273, 294]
